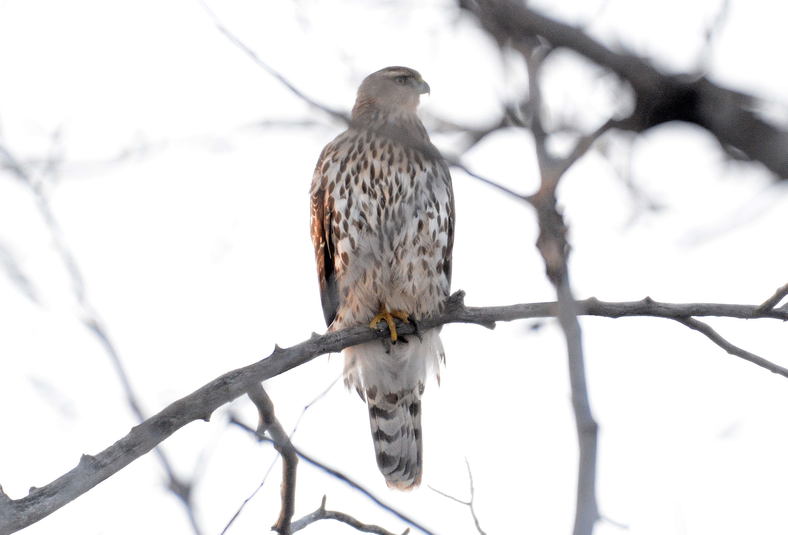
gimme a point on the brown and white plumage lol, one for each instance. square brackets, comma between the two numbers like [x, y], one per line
[383, 231]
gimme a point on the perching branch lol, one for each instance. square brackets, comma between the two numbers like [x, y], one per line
[200, 404]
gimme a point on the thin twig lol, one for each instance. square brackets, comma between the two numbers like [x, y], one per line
[321, 513]
[249, 498]
[240, 509]
[345, 479]
[11, 266]
[270, 425]
[454, 162]
[270, 70]
[535, 54]
[473, 497]
[583, 144]
[714, 336]
[472, 135]
[469, 502]
[774, 300]
[93, 321]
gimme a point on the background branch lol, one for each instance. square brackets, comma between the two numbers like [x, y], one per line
[270, 425]
[235, 421]
[321, 513]
[93, 321]
[659, 98]
[554, 248]
[469, 502]
[341, 477]
[343, 117]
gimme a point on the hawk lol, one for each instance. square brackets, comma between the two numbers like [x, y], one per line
[382, 214]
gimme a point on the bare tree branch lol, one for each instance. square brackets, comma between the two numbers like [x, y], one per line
[14, 271]
[554, 248]
[235, 421]
[472, 135]
[321, 513]
[775, 299]
[200, 404]
[714, 336]
[342, 477]
[461, 166]
[659, 98]
[586, 511]
[93, 321]
[270, 70]
[246, 500]
[535, 53]
[583, 144]
[469, 502]
[270, 425]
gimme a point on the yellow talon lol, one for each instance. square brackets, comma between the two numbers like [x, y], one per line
[388, 317]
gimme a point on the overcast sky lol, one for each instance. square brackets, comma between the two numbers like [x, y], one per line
[184, 204]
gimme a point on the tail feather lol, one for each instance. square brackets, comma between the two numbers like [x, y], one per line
[395, 422]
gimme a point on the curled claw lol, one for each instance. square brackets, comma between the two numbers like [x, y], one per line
[388, 317]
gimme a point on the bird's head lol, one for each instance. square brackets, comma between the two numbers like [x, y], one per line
[392, 89]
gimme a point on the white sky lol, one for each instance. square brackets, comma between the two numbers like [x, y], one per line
[195, 251]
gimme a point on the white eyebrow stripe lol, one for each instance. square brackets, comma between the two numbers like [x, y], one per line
[402, 73]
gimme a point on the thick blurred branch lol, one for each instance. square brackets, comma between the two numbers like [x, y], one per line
[659, 97]
[554, 248]
[200, 404]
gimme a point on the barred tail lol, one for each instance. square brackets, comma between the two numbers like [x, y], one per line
[395, 421]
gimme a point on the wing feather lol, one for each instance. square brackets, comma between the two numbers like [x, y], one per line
[445, 176]
[323, 241]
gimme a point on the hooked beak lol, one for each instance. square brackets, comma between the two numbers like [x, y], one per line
[423, 87]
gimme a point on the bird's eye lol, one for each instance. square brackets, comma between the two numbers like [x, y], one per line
[401, 80]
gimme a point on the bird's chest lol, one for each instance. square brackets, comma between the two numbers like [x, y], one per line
[386, 209]
[390, 226]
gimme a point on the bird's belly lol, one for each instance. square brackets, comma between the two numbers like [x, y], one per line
[397, 263]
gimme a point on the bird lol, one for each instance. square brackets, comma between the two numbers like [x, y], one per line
[382, 226]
